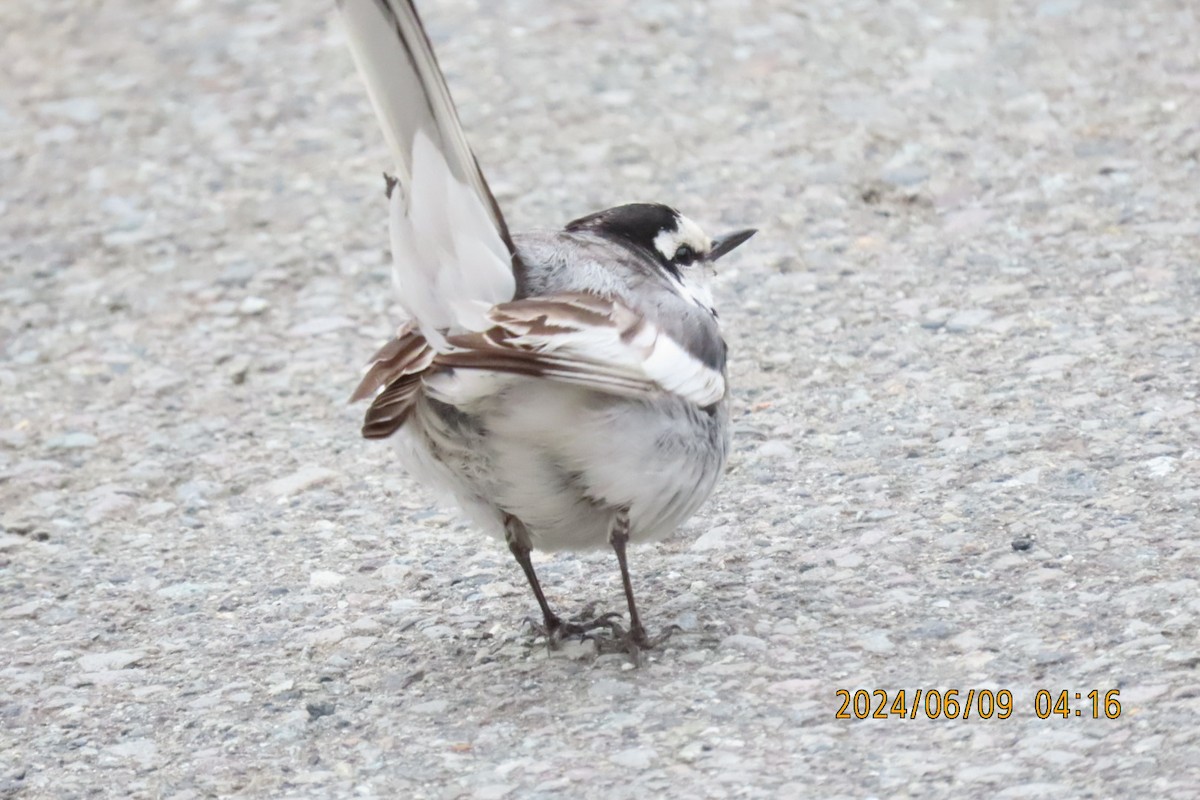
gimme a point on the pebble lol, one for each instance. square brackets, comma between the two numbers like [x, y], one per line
[935, 318]
[320, 709]
[955, 444]
[115, 659]
[252, 306]
[325, 579]
[9, 542]
[1052, 363]
[156, 509]
[438, 632]
[77, 109]
[715, 538]
[776, 450]
[964, 321]
[326, 636]
[609, 688]
[358, 644]
[877, 642]
[634, 758]
[14, 440]
[320, 325]
[143, 751]
[906, 175]
[577, 649]
[300, 481]
[749, 644]
[108, 506]
[1034, 789]
[72, 441]
[431, 707]
[23, 610]
[186, 589]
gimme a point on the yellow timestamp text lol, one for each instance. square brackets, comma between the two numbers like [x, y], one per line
[974, 704]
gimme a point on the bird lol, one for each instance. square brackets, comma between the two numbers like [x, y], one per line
[568, 388]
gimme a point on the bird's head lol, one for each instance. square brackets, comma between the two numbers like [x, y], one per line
[672, 241]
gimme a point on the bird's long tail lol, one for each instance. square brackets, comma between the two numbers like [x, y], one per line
[451, 247]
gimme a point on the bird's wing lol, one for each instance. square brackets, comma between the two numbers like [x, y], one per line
[580, 339]
[399, 366]
[586, 340]
[452, 251]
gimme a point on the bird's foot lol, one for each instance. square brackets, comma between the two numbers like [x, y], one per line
[635, 640]
[557, 630]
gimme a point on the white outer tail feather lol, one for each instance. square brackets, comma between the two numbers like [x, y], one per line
[451, 263]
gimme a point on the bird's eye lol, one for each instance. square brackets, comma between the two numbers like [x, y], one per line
[684, 255]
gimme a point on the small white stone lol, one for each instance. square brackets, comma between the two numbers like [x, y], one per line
[1055, 363]
[431, 707]
[965, 321]
[358, 644]
[326, 636]
[715, 538]
[143, 751]
[77, 109]
[1029, 477]
[320, 325]
[1160, 467]
[155, 509]
[577, 649]
[634, 758]
[253, 305]
[877, 642]
[29, 610]
[115, 659]
[299, 481]
[325, 579]
[73, 441]
[10, 542]
[955, 444]
[743, 642]
[776, 449]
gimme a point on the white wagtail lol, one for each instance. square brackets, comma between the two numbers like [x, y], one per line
[567, 388]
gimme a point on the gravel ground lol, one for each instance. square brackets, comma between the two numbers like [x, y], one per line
[965, 367]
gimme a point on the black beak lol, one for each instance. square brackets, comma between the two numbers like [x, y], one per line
[723, 244]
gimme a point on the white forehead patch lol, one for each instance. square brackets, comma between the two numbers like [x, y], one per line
[685, 232]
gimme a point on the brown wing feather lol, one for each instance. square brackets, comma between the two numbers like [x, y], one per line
[574, 338]
[514, 346]
[391, 408]
[586, 340]
[398, 366]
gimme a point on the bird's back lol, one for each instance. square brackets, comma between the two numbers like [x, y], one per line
[561, 262]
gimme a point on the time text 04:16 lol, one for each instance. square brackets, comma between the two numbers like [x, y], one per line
[974, 704]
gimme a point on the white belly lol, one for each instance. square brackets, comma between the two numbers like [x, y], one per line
[564, 460]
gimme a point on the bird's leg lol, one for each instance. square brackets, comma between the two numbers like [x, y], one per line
[636, 638]
[618, 537]
[517, 538]
[556, 629]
